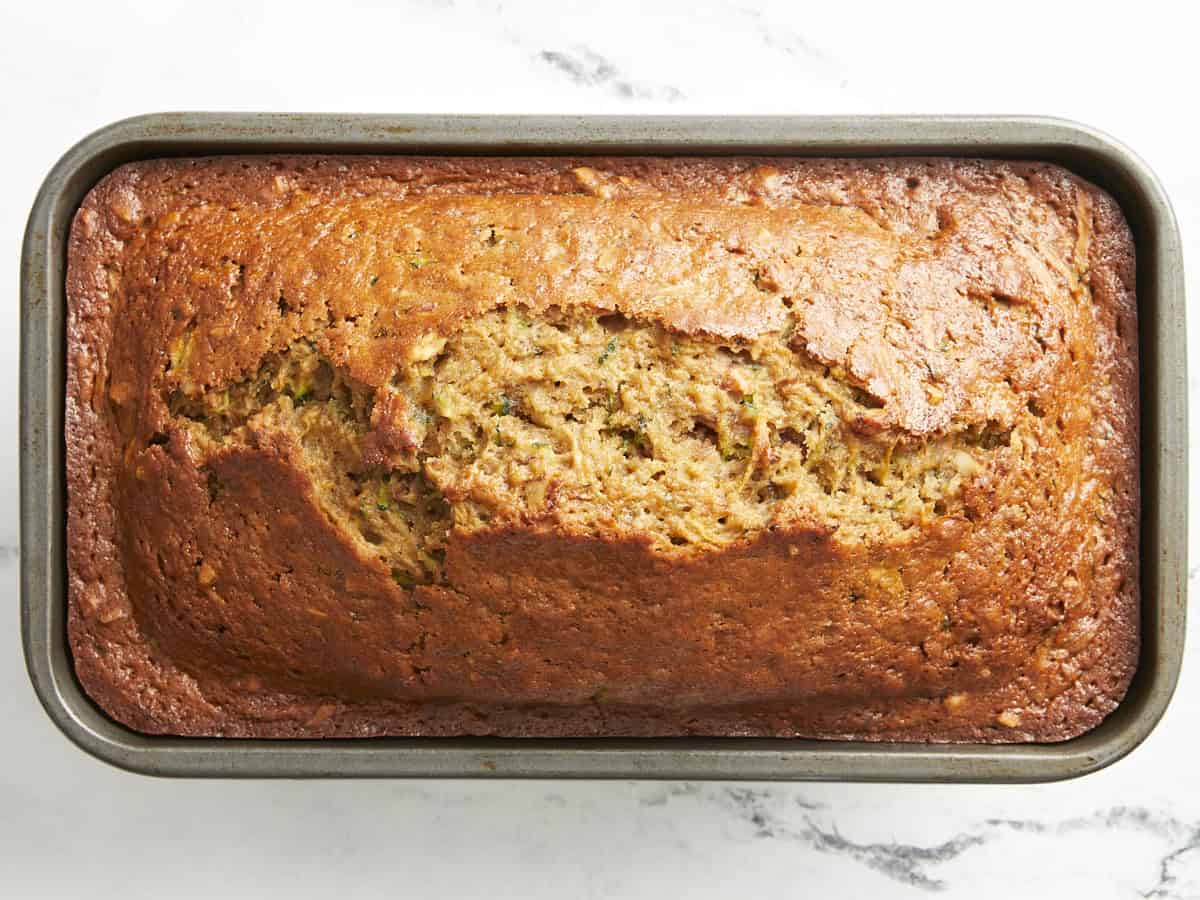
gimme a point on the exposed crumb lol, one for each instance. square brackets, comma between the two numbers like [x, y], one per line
[680, 437]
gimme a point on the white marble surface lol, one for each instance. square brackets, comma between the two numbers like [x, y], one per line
[70, 827]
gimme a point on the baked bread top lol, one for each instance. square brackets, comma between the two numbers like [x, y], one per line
[828, 448]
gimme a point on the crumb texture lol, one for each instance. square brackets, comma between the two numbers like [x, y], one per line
[839, 449]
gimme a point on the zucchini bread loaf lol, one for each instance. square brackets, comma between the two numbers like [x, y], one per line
[431, 446]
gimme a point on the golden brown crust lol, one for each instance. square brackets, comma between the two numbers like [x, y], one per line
[954, 294]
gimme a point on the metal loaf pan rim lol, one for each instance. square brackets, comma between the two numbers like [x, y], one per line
[1163, 418]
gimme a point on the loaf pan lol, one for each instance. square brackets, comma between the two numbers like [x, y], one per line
[1163, 436]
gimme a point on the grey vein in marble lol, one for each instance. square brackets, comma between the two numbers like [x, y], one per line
[780, 38]
[662, 794]
[1167, 880]
[901, 862]
[586, 68]
[915, 865]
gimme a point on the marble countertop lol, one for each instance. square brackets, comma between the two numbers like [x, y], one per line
[70, 825]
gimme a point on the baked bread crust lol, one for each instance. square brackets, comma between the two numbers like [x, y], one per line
[987, 304]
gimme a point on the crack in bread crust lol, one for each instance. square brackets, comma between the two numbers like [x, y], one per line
[593, 422]
[393, 446]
